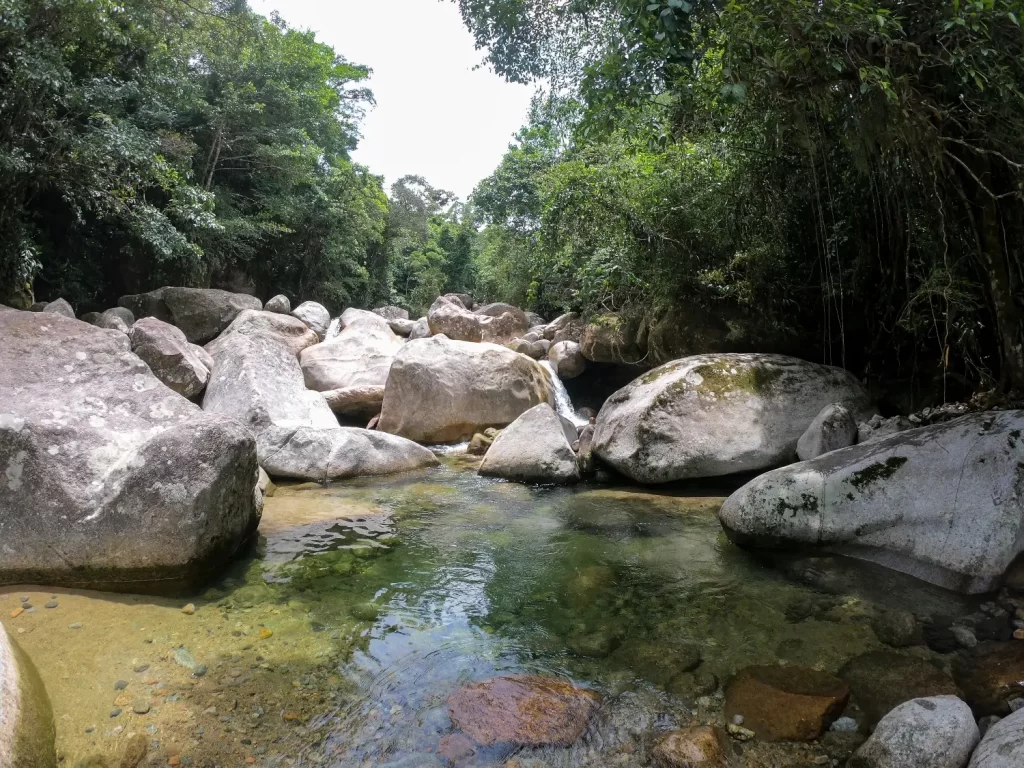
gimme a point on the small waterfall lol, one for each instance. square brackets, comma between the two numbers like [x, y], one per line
[563, 404]
[333, 329]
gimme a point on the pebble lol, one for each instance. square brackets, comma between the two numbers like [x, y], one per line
[76, 625]
[266, 633]
[844, 725]
[17, 612]
[740, 733]
[115, 712]
[51, 604]
[140, 707]
[189, 609]
[964, 636]
[199, 670]
[140, 668]
[1018, 634]
[120, 685]
[737, 719]
[24, 598]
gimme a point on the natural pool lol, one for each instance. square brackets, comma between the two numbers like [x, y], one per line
[366, 604]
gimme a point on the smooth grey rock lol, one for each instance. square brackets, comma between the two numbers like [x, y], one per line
[356, 402]
[444, 391]
[125, 314]
[60, 307]
[359, 356]
[617, 339]
[279, 304]
[421, 330]
[315, 316]
[111, 322]
[108, 479]
[149, 304]
[941, 503]
[531, 349]
[878, 427]
[934, 732]
[567, 359]
[392, 313]
[534, 319]
[712, 415]
[1003, 744]
[334, 454]
[169, 355]
[568, 327]
[402, 327]
[832, 429]
[26, 720]
[203, 313]
[533, 449]
[448, 316]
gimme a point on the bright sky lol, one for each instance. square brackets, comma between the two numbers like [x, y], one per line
[435, 116]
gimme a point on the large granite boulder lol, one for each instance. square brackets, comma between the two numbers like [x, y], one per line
[110, 479]
[445, 391]
[619, 339]
[359, 356]
[26, 720]
[420, 330]
[941, 503]
[60, 307]
[567, 327]
[359, 402]
[1003, 745]
[567, 359]
[834, 428]
[535, 448]
[403, 328]
[164, 348]
[450, 317]
[280, 304]
[713, 415]
[315, 316]
[201, 313]
[938, 732]
[392, 313]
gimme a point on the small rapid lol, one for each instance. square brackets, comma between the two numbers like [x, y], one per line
[563, 403]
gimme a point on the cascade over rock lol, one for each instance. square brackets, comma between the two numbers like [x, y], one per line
[942, 503]
[713, 415]
[110, 479]
[444, 391]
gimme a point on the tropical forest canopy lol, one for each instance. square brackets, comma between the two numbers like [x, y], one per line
[842, 180]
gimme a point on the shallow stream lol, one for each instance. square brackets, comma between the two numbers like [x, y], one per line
[366, 604]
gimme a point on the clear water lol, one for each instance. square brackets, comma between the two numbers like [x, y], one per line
[385, 595]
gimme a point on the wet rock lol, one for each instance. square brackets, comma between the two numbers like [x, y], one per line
[356, 402]
[121, 482]
[897, 628]
[359, 356]
[392, 313]
[444, 391]
[992, 677]
[834, 428]
[26, 720]
[315, 316]
[937, 502]
[567, 359]
[1002, 745]
[937, 731]
[531, 349]
[699, 683]
[60, 307]
[882, 680]
[596, 645]
[280, 304]
[527, 710]
[533, 449]
[455, 747]
[713, 415]
[701, 747]
[659, 662]
[479, 445]
[176, 362]
[839, 745]
[785, 703]
[939, 635]
[965, 636]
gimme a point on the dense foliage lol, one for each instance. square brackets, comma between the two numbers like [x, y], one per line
[842, 178]
[147, 142]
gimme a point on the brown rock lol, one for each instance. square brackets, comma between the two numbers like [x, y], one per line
[992, 677]
[528, 710]
[134, 752]
[455, 747]
[785, 703]
[701, 747]
[882, 680]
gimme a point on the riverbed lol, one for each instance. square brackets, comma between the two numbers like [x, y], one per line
[337, 639]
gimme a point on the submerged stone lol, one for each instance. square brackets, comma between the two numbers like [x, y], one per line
[785, 703]
[701, 747]
[992, 678]
[882, 680]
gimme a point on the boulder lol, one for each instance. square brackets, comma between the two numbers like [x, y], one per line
[280, 304]
[785, 703]
[534, 320]
[533, 449]
[878, 427]
[315, 316]
[449, 316]
[568, 327]
[125, 314]
[713, 415]
[619, 339]
[1003, 745]
[531, 349]
[523, 710]
[392, 313]
[402, 327]
[325, 455]
[832, 429]
[684, 331]
[992, 678]
[445, 391]
[940, 503]
[111, 481]
[882, 680]
[698, 747]
[498, 309]
[88, 317]
[60, 307]
[27, 732]
[164, 348]
[111, 322]
[201, 313]
[359, 356]
[938, 732]
[420, 329]
[567, 359]
[360, 402]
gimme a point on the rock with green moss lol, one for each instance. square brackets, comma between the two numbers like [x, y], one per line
[943, 503]
[619, 339]
[713, 415]
[26, 720]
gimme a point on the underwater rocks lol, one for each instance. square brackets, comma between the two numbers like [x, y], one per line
[26, 720]
[201, 313]
[713, 415]
[992, 677]
[444, 391]
[785, 703]
[535, 448]
[525, 710]
[1003, 744]
[109, 479]
[701, 747]
[882, 680]
[941, 503]
[938, 732]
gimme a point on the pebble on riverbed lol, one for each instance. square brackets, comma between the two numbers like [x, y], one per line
[140, 707]
[189, 609]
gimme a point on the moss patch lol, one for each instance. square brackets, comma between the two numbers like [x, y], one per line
[877, 472]
[808, 503]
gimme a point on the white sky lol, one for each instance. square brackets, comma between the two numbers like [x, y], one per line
[435, 116]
